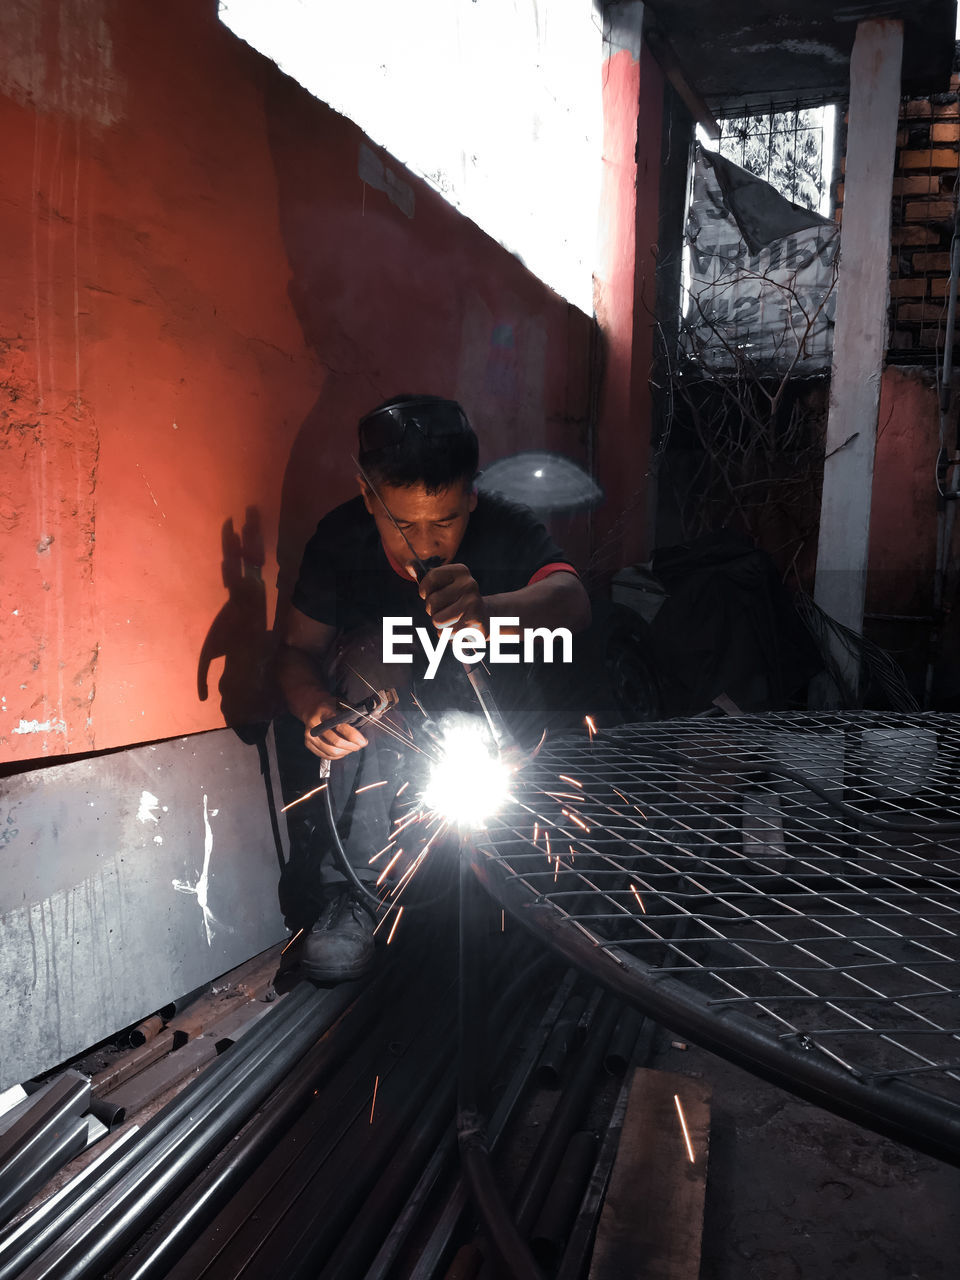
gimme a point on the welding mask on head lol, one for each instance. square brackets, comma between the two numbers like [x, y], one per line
[432, 417]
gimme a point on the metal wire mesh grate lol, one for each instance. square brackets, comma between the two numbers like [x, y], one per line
[815, 929]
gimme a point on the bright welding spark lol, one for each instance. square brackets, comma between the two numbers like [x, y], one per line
[565, 777]
[556, 869]
[573, 853]
[633, 888]
[376, 1085]
[381, 852]
[573, 818]
[469, 782]
[536, 831]
[393, 929]
[291, 942]
[503, 921]
[686, 1131]
[403, 788]
[388, 868]
[591, 727]
[300, 799]
[369, 787]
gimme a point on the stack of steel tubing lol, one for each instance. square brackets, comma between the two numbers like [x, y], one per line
[39, 1135]
[87, 1225]
[317, 1150]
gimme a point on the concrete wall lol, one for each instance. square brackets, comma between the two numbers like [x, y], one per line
[206, 276]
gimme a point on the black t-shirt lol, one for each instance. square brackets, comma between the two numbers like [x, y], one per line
[347, 581]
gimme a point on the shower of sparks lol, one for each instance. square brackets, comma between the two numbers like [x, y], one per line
[300, 799]
[395, 923]
[388, 868]
[381, 852]
[376, 1085]
[573, 818]
[633, 889]
[591, 727]
[369, 787]
[686, 1131]
[291, 942]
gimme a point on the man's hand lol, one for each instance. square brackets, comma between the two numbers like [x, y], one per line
[334, 743]
[453, 599]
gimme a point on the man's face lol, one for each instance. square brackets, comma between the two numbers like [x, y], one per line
[434, 523]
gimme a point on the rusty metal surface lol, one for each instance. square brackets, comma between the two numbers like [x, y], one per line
[125, 880]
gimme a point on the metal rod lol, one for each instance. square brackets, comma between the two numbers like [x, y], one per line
[503, 1232]
[566, 1191]
[26, 1146]
[437, 1244]
[148, 1173]
[204, 1198]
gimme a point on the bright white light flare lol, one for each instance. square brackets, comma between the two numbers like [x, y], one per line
[469, 782]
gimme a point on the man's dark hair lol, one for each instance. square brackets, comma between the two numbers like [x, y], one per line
[410, 440]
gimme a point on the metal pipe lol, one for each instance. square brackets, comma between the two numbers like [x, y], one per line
[147, 1030]
[358, 1244]
[319, 1211]
[205, 1197]
[620, 1051]
[96, 1240]
[566, 1115]
[26, 1146]
[434, 1248]
[504, 1235]
[555, 1220]
[580, 1238]
[562, 1041]
[244, 1225]
[446, 1149]
[61, 1145]
[51, 1222]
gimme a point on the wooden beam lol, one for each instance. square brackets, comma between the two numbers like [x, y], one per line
[860, 335]
[652, 1219]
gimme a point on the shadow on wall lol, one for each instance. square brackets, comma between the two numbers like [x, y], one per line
[238, 633]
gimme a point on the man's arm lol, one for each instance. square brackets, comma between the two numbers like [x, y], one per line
[306, 643]
[452, 597]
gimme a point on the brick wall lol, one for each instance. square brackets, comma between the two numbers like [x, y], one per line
[924, 192]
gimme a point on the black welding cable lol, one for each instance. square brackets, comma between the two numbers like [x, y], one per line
[364, 890]
[809, 784]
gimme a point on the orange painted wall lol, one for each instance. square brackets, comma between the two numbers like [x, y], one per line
[198, 297]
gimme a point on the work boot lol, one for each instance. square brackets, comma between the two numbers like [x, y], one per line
[340, 945]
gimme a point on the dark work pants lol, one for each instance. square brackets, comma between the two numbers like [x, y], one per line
[364, 821]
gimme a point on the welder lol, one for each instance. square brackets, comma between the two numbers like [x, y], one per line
[418, 509]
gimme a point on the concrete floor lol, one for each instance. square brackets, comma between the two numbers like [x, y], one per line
[794, 1193]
